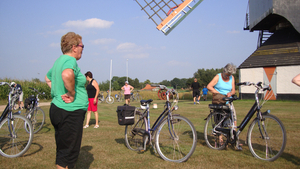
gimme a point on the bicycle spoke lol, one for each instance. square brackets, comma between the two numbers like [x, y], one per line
[267, 139]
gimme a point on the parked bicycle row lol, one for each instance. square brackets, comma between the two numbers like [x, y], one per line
[17, 127]
[134, 96]
[175, 137]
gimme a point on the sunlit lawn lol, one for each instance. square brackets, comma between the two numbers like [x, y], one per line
[105, 147]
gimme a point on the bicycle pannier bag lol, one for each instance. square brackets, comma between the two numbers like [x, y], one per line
[218, 98]
[125, 115]
[28, 101]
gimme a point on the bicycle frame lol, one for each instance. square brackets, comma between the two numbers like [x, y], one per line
[166, 113]
[146, 117]
[255, 108]
[8, 109]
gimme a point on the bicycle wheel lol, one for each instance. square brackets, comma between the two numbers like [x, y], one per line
[109, 100]
[37, 118]
[177, 143]
[100, 99]
[139, 97]
[267, 138]
[214, 140]
[14, 139]
[134, 134]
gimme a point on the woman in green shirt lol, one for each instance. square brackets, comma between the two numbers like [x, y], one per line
[69, 100]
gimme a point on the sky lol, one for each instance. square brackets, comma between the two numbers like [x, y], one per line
[118, 30]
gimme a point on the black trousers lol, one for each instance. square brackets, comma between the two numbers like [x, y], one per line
[68, 134]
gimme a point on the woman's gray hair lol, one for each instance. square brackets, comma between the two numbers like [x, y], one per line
[230, 68]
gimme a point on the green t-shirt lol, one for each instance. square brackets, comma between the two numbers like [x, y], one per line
[58, 88]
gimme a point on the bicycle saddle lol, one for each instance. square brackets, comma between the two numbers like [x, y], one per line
[144, 102]
[230, 99]
[218, 106]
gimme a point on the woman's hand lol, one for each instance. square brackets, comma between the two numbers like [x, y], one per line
[95, 100]
[67, 98]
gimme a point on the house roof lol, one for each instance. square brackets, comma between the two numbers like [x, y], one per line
[148, 87]
[281, 49]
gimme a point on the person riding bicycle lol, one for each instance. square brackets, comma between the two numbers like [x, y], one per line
[223, 85]
[127, 92]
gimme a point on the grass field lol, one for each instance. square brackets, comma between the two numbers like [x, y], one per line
[105, 147]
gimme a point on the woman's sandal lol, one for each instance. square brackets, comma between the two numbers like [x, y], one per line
[86, 126]
[96, 126]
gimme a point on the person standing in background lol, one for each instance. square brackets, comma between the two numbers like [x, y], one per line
[127, 92]
[20, 102]
[204, 93]
[196, 92]
[93, 90]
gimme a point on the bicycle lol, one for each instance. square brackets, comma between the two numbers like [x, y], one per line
[119, 97]
[16, 132]
[175, 136]
[135, 96]
[266, 136]
[132, 98]
[109, 99]
[34, 113]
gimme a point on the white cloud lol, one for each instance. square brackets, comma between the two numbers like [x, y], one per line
[136, 56]
[233, 32]
[55, 45]
[131, 50]
[89, 23]
[103, 41]
[177, 63]
[127, 47]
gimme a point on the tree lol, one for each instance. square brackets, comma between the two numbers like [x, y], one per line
[165, 82]
[136, 83]
[147, 82]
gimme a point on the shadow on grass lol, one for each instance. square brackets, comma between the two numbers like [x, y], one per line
[34, 148]
[45, 128]
[85, 158]
[289, 157]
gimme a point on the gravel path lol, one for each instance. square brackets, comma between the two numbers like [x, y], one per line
[2, 107]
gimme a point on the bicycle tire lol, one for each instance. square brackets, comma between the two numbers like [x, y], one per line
[15, 146]
[177, 148]
[134, 134]
[37, 119]
[139, 97]
[271, 147]
[100, 99]
[109, 100]
[212, 139]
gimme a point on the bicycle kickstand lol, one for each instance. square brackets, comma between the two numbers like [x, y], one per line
[145, 144]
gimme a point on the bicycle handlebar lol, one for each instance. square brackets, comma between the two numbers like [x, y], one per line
[36, 90]
[257, 85]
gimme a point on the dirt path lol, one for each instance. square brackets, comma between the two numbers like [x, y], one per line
[2, 107]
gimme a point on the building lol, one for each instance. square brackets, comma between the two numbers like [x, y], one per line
[277, 58]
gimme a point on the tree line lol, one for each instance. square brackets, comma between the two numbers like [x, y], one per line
[204, 76]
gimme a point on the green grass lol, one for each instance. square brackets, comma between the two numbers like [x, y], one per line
[105, 147]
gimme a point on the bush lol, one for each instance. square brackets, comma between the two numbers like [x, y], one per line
[35, 83]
